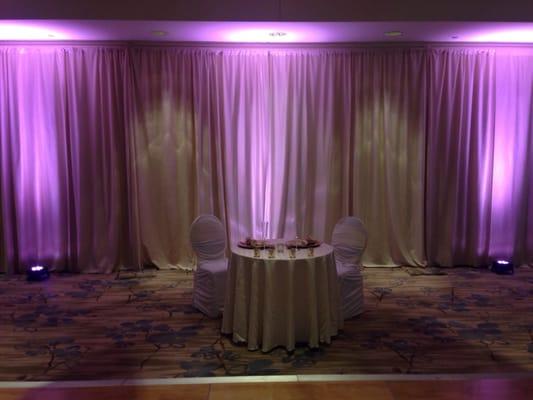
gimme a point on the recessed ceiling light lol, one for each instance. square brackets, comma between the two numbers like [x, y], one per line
[277, 34]
[159, 33]
[393, 33]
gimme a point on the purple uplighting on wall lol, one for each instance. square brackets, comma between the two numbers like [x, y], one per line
[37, 175]
[512, 130]
[270, 114]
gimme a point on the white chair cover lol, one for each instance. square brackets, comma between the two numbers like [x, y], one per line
[349, 240]
[349, 243]
[208, 240]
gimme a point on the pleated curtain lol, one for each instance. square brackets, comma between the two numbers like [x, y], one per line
[479, 156]
[108, 153]
[62, 161]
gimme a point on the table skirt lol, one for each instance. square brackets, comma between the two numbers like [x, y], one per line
[281, 302]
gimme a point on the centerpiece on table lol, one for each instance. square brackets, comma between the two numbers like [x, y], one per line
[302, 243]
[250, 243]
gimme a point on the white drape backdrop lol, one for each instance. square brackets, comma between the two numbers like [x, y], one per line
[281, 143]
[108, 154]
[349, 140]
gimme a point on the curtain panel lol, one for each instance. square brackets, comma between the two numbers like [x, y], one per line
[478, 192]
[63, 186]
[107, 154]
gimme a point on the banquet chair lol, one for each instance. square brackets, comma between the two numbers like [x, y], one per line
[349, 242]
[208, 240]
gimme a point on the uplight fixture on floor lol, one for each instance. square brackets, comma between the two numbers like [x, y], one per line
[502, 267]
[37, 273]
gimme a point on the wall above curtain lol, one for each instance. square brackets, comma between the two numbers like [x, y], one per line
[257, 10]
[108, 153]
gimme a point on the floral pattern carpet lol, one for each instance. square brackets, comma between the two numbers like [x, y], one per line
[75, 327]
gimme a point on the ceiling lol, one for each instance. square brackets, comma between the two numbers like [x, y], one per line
[265, 32]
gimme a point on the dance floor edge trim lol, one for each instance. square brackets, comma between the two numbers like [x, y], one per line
[262, 379]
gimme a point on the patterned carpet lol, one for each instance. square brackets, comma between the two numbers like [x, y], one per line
[96, 327]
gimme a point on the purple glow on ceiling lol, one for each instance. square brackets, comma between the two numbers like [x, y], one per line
[262, 35]
[28, 30]
[272, 33]
[505, 35]
[266, 32]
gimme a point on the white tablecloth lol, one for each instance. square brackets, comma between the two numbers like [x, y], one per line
[282, 301]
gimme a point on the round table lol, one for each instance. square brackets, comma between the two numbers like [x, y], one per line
[280, 301]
